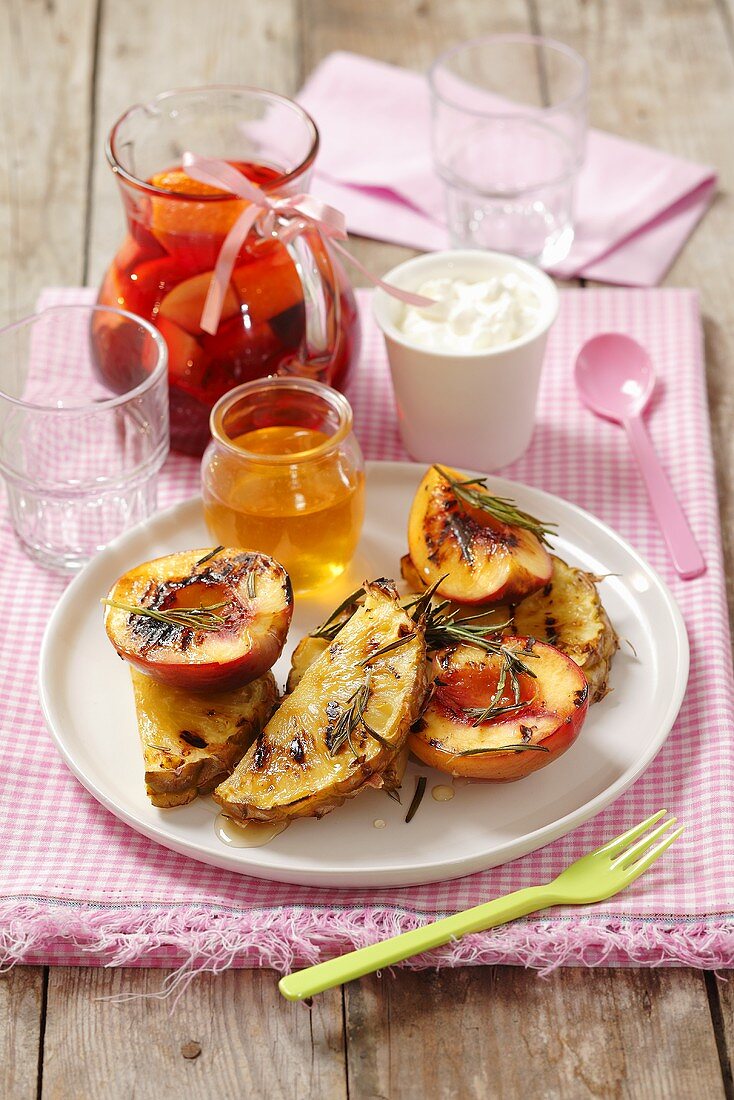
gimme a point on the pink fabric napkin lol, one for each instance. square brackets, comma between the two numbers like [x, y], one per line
[635, 206]
[78, 886]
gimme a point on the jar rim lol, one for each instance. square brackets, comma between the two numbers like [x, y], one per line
[150, 188]
[331, 397]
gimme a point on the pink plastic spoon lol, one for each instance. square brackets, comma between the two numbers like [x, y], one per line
[615, 379]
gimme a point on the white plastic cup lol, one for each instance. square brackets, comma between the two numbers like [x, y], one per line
[473, 408]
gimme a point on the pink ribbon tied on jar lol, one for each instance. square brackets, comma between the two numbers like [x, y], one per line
[283, 217]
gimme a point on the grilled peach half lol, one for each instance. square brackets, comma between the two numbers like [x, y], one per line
[481, 559]
[201, 620]
[525, 735]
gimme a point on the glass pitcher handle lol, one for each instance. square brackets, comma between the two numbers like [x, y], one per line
[317, 352]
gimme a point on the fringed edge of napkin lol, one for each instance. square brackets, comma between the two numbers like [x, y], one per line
[197, 939]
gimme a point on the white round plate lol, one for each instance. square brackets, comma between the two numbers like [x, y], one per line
[88, 704]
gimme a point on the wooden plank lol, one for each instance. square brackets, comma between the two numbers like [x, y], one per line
[721, 1000]
[21, 1003]
[148, 48]
[253, 1042]
[504, 1032]
[44, 146]
[410, 34]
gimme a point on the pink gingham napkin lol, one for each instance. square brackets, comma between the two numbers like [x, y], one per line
[78, 886]
[635, 206]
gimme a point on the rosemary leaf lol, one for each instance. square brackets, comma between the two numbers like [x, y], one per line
[208, 557]
[251, 584]
[376, 736]
[420, 790]
[503, 748]
[393, 793]
[421, 604]
[485, 714]
[387, 648]
[331, 626]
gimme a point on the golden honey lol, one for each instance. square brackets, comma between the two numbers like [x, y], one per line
[291, 490]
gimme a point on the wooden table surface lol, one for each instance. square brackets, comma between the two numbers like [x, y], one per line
[663, 73]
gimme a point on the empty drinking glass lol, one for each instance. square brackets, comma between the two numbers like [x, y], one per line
[509, 129]
[80, 452]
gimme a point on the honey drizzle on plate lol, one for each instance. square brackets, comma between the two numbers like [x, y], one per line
[247, 834]
[442, 792]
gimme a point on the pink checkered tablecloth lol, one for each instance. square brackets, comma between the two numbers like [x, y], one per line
[78, 886]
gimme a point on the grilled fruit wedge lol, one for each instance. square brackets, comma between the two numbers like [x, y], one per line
[480, 559]
[191, 742]
[494, 617]
[345, 725]
[452, 736]
[219, 617]
[568, 614]
[306, 652]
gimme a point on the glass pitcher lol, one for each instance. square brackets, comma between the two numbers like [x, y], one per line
[289, 308]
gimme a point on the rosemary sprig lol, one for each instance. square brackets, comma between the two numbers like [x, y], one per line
[188, 618]
[352, 717]
[387, 648]
[208, 557]
[420, 790]
[446, 629]
[483, 714]
[474, 492]
[331, 626]
[376, 736]
[503, 748]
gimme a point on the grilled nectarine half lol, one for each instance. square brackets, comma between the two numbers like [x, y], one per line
[455, 533]
[532, 720]
[201, 620]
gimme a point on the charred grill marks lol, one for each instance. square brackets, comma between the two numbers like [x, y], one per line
[262, 752]
[462, 532]
[297, 750]
[581, 696]
[193, 739]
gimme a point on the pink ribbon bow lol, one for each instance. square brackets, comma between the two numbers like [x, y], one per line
[298, 211]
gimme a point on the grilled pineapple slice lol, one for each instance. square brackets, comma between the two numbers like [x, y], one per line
[191, 741]
[303, 764]
[568, 614]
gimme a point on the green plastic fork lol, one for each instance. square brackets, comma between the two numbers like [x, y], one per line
[594, 877]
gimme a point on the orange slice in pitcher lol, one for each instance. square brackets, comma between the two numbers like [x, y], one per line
[178, 220]
[186, 360]
[183, 304]
[268, 285]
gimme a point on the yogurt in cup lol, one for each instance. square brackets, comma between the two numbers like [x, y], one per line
[466, 370]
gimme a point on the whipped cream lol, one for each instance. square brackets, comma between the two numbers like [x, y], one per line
[471, 316]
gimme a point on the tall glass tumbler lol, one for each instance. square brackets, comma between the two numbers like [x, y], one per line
[509, 130]
[80, 452]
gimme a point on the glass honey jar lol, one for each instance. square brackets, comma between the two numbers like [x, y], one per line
[284, 474]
